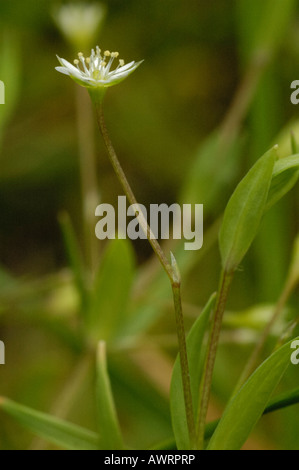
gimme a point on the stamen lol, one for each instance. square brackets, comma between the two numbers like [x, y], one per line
[121, 62]
[80, 54]
[110, 63]
[107, 53]
[82, 59]
[88, 60]
[76, 62]
[114, 54]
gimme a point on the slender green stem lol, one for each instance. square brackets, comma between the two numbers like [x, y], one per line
[130, 195]
[254, 358]
[89, 184]
[169, 269]
[206, 382]
[243, 97]
[279, 403]
[176, 289]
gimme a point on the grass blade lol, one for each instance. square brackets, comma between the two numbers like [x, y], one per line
[111, 439]
[65, 435]
[194, 350]
[247, 406]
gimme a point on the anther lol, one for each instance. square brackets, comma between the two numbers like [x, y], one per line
[80, 54]
[76, 62]
[121, 62]
[115, 54]
[107, 53]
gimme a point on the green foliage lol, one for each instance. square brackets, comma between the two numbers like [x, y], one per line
[65, 435]
[244, 212]
[75, 259]
[204, 182]
[109, 309]
[285, 176]
[10, 74]
[109, 428]
[245, 409]
[180, 136]
[195, 350]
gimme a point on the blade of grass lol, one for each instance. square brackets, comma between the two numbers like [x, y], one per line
[247, 406]
[65, 435]
[111, 439]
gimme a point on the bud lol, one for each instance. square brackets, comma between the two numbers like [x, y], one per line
[80, 23]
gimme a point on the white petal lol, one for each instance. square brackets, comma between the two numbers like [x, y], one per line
[69, 66]
[125, 69]
[63, 70]
[118, 78]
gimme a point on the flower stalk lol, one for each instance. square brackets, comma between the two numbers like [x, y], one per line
[94, 73]
[206, 382]
[88, 175]
[170, 269]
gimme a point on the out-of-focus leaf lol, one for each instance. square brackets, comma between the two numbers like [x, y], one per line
[265, 24]
[111, 290]
[255, 318]
[111, 437]
[276, 19]
[194, 349]
[247, 406]
[65, 435]
[294, 144]
[75, 259]
[9, 74]
[294, 266]
[282, 401]
[212, 171]
[244, 212]
[7, 282]
[285, 144]
[285, 176]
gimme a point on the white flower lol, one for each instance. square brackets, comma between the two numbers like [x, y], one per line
[95, 71]
[80, 22]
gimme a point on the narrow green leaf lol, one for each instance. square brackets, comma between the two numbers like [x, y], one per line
[285, 176]
[194, 349]
[283, 401]
[244, 211]
[294, 265]
[247, 406]
[276, 19]
[74, 257]
[10, 72]
[294, 143]
[65, 435]
[111, 438]
[112, 289]
[204, 183]
[278, 403]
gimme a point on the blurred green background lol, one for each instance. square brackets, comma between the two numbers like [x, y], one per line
[197, 54]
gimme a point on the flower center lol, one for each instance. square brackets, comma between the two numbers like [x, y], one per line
[97, 66]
